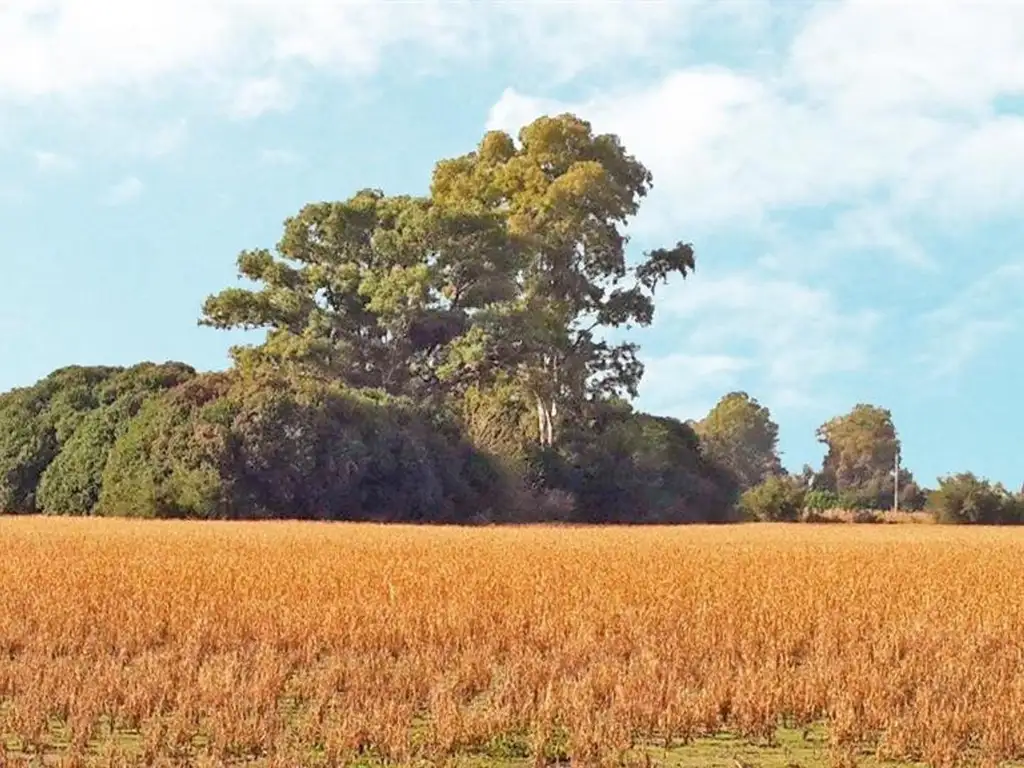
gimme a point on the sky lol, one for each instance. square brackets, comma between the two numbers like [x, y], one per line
[851, 175]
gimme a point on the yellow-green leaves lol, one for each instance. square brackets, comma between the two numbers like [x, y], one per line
[739, 434]
[564, 195]
[512, 267]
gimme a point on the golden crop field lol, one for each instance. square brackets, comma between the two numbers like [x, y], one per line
[295, 644]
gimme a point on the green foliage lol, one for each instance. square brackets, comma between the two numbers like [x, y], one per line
[862, 449]
[739, 434]
[913, 497]
[370, 292]
[967, 499]
[506, 272]
[71, 483]
[821, 500]
[629, 467]
[564, 194]
[498, 421]
[485, 299]
[779, 498]
[234, 446]
[35, 422]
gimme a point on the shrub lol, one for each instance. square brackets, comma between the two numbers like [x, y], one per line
[35, 422]
[499, 420]
[778, 498]
[627, 467]
[869, 516]
[71, 483]
[821, 501]
[554, 506]
[966, 499]
[228, 446]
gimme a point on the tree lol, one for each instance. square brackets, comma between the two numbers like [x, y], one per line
[370, 292]
[779, 498]
[564, 194]
[739, 434]
[861, 457]
[509, 271]
[72, 482]
[35, 422]
[965, 498]
[621, 466]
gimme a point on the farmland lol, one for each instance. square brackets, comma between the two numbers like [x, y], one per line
[303, 643]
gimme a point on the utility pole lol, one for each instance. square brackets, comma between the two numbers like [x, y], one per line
[896, 483]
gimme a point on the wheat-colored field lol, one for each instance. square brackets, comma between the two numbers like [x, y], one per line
[295, 643]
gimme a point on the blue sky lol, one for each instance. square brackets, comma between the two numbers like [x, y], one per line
[851, 174]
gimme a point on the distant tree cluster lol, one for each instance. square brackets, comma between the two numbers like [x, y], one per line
[858, 475]
[443, 358]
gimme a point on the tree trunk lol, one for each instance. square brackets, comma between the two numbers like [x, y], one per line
[546, 412]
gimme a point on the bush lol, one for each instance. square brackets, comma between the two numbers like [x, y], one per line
[162, 441]
[71, 483]
[228, 446]
[868, 516]
[499, 421]
[964, 499]
[821, 501]
[628, 467]
[780, 498]
[35, 422]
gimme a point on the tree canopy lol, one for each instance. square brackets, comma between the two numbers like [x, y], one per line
[964, 498]
[508, 270]
[370, 292]
[861, 459]
[565, 195]
[739, 434]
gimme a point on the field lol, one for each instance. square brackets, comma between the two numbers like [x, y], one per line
[303, 644]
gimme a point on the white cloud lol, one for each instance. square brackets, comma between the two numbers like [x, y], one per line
[871, 99]
[52, 162]
[72, 48]
[781, 338]
[259, 96]
[569, 38]
[870, 228]
[729, 149]
[874, 56]
[977, 316]
[124, 191]
[978, 175]
[71, 45]
[687, 385]
[873, 124]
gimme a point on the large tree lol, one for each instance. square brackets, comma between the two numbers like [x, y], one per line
[861, 457]
[565, 193]
[740, 435]
[508, 273]
[370, 291]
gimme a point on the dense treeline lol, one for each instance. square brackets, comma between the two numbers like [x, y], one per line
[444, 358]
[165, 441]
